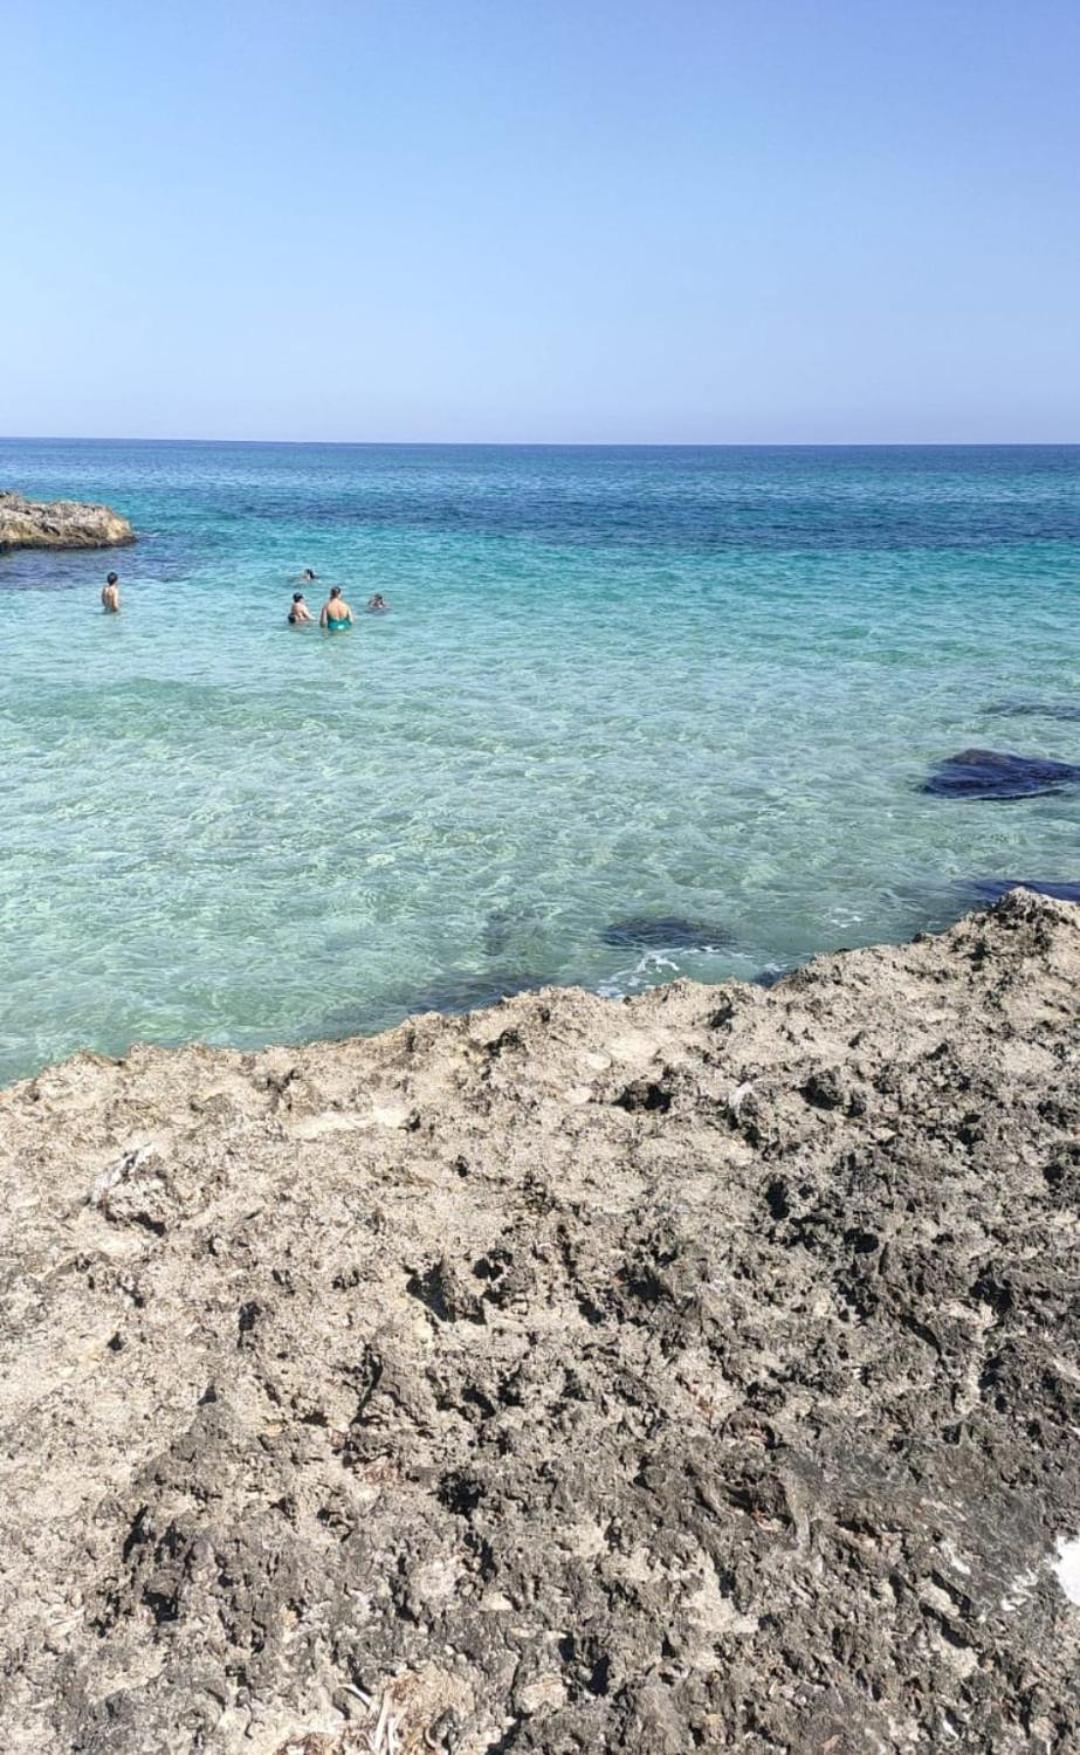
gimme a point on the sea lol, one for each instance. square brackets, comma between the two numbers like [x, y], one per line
[632, 714]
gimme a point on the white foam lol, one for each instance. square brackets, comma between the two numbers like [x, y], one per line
[627, 981]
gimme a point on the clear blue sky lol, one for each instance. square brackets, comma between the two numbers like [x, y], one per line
[639, 220]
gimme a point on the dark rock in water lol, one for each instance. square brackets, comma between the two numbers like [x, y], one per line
[772, 973]
[999, 774]
[1069, 711]
[466, 991]
[497, 932]
[507, 928]
[666, 932]
[992, 889]
[59, 524]
[457, 991]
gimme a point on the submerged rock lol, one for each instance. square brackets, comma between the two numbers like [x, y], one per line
[666, 932]
[504, 926]
[992, 889]
[498, 930]
[466, 990]
[689, 1373]
[455, 991]
[772, 973]
[60, 524]
[1066, 710]
[999, 774]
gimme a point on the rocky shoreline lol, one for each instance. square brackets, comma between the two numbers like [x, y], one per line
[60, 524]
[695, 1371]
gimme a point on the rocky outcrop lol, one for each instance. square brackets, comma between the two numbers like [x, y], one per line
[59, 524]
[697, 1371]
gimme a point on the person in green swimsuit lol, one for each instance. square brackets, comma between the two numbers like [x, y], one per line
[336, 615]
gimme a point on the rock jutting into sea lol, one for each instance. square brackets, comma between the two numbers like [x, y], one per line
[60, 524]
[693, 1371]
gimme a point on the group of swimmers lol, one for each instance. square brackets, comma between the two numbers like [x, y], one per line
[335, 615]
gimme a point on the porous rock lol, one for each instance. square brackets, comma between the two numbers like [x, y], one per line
[697, 1371]
[60, 524]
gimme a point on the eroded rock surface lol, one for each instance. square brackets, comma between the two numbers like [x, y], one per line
[59, 524]
[694, 1372]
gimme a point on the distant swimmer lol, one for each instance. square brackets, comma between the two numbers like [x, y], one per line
[377, 602]
[299, 613]
[110, 595]
[308, 576]
[336, 615]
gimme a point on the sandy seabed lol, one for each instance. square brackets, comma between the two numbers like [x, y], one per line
[693, 1372]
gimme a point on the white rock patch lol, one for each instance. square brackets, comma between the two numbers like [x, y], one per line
[1067, 1568]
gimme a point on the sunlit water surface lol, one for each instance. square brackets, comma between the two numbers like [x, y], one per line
[693, 684]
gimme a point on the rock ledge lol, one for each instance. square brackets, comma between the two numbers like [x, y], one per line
[59, 524]
[693, 1372]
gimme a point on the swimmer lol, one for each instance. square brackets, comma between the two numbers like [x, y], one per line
[110, 595]
[336, 615]
[308, 576]
[377, 602]
[299, 613]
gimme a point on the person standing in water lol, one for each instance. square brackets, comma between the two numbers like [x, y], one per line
[299, 613]
[336, 615]
[110, 595]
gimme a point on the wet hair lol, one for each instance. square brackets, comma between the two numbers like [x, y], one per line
[112, 579]
[298, 597]
[335, 590]
[307, 573]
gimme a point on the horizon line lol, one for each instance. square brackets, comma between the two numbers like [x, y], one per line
[557, 444]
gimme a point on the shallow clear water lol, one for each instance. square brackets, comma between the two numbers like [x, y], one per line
[697, 683]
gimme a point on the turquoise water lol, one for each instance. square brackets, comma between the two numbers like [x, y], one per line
[612, 683]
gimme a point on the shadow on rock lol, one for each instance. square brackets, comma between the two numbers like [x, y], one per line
[999, 774]
[666, 932]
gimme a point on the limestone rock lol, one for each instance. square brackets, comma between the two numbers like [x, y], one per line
[739, 1413]
[60, 524]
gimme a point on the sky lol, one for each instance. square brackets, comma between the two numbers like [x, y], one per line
[640, 221]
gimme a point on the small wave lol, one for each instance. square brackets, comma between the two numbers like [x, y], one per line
[623, 982]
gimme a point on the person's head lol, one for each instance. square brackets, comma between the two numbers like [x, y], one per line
[112, 579]
[307, 573]
[298, 597]
[335, 590]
